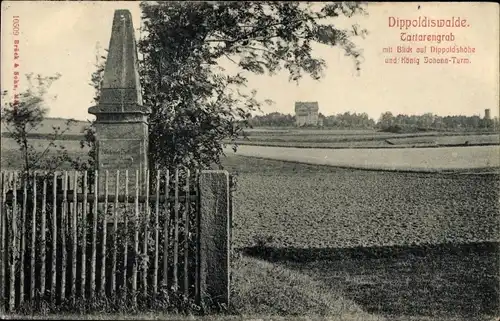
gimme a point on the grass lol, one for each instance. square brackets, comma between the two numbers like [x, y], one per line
[363, 144]
[46, 127]
[261, 288]
[10, 156]
[306, 131]
[329, 138]
[445, 280]
[350, 285]
[332, 137]
[9, 144]
[264, 288]
[337, 131]
[380, 142]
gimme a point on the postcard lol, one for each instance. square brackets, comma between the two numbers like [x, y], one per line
[250, 160]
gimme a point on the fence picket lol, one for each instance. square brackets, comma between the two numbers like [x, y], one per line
[125, 245]
[43, 244]
[146, 238]
[166, 227]
[63, 236]
[84, 236]
[104, 237]
[3, 250]
[13, 241]
[33, 243]
[197, 253]
[54, 241]
[176, 229]
[94, 236]
[136, 236]
[157, 210]
[22, 238]
[115, 229]
[186, 236]
[74, 238]
[3, 213]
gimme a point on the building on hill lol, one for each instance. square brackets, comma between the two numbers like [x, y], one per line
[306, 113]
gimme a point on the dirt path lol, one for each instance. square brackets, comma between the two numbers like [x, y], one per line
[418, 159]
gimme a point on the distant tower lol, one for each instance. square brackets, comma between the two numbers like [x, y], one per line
[487, 114]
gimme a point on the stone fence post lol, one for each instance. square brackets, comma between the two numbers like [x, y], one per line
[214, 236]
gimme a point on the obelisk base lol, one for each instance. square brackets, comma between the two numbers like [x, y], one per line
[122, 146]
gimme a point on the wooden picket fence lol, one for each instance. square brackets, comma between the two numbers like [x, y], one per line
[62, 238]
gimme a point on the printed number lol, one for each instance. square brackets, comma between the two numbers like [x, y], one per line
[15, 26]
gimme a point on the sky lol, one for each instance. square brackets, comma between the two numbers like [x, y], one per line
[61, 37]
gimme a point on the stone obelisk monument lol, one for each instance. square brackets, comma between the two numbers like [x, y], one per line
[121, 119]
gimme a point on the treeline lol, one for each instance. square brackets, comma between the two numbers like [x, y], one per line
[346, 120]
[431, 121]
[274, 119]
[386, 120]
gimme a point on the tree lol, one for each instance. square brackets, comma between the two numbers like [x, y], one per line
[23, 114]
[473, 122]
[426, 120]
[195, 104]
[386, 119]
[96, 77]
[89, 139]
[496, 124]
